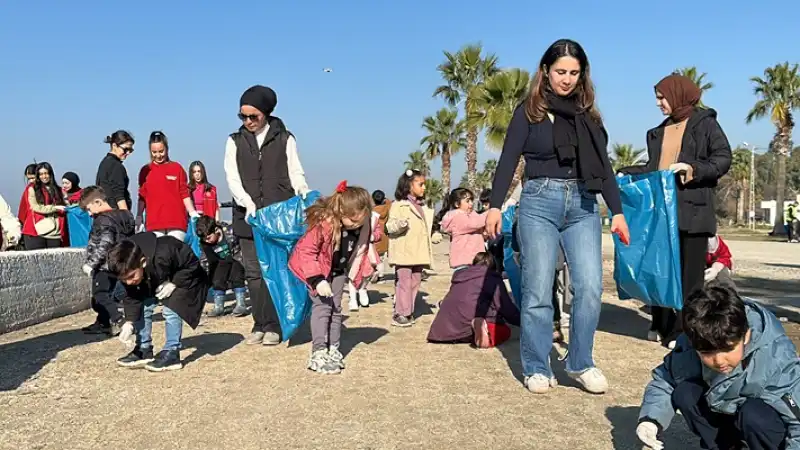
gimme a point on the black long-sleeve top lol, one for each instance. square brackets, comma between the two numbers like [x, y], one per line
[113, 178]
[534, 141]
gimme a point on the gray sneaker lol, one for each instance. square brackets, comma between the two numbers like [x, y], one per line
[271, 338]
[336, 357]
[330, 368]
[240, 311]
[401, 321]
[256, 337]
[318, 360]
[216, 312]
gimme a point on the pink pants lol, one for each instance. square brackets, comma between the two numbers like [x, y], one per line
[409, 279]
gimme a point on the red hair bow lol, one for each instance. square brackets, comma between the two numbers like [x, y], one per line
[341, 187]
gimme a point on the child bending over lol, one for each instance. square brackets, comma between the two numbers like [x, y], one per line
[157, 269]
[360, 296]
[334, 250]
[221, 249]
[719, 262]
[465, 227]
[733, 374]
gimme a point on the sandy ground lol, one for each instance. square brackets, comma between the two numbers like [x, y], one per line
[62, 390]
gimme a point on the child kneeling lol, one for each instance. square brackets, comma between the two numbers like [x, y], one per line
[477, 307]
[221, 249]
[334, 250]
[733, 374]
[157, 269]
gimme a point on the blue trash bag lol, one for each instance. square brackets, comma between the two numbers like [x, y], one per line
[649, 269]
[510, 266]
[79, 224]
[191, 238]
[277, 228]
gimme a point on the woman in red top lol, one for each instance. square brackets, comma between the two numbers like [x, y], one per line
[24, 207]
[163, 192]
[70, 186]
[204, 194]
[45, 221]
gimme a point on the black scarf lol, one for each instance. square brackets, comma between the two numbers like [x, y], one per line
[578, 138]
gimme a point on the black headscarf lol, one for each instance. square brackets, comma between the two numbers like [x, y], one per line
[578, 138]
[261, 98]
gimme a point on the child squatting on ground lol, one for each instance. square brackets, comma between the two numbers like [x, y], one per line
[465, 227]
[109, 226]
[335, 249]
[477, 307]
[224, 257]
[157, 269]
[410, 244]
[733, 374]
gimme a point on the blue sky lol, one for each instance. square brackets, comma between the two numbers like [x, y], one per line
[75, 72]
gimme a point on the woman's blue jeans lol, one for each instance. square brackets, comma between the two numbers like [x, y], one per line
[550, 211]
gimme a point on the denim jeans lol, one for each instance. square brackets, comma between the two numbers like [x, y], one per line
[144, 327]
[553, 211]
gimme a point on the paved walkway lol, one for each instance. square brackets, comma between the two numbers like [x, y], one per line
[60, 389]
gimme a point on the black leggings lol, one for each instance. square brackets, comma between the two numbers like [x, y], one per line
[38, 242]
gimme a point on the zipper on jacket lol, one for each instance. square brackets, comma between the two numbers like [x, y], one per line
[787, 398]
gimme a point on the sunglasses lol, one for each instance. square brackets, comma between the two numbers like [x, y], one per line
[127, 150]
[250, 117]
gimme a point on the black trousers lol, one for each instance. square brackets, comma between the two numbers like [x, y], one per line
[755, 423]
[224, 273]
[103, 301]
[666, 321]
[38, 242]
[265, 318]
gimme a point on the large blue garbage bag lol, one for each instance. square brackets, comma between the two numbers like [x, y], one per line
[79, 224]
[277, 228]
[191, 238]
[510, 266]
[649, 268]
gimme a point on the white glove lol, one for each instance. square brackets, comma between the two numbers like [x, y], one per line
[685, 171]
[164, 290]
[436, 238]
[250, 210]
[87, 269]
[324, 289]
[139, 224]
[12, 241]
[303, 192]
[194, 214]
[126, 334]
[647, 432]
[712, 272]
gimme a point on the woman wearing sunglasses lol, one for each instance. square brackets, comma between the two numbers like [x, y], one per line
[111, 175]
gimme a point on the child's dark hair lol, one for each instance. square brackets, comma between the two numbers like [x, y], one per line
[452, 202]
[205, 226]
[124, 258]
[91, 194]
[118, 138]
[714, 319]
[158, 137]
[485, 259]
[30, 169]
[404, 184]
[378, 197]
[486, 196]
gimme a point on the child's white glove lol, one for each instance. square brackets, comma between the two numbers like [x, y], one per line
[126, 334]
[87, 269]
[436, 238]
[324, 289]
[647, 432]
[165, 290]
[194, 214]
[712, 272]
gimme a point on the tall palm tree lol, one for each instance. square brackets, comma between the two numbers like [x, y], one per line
[462, 72]
[740, 175]
[484, 178]
[434, 192]
[418, 161]
[697, 78]
[446, 137]
[778, 94]
[624, 155]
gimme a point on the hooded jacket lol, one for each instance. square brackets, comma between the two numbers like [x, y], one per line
[108, 228]
[382, 245]
[466, 235]
[770, 371]
[474, 292]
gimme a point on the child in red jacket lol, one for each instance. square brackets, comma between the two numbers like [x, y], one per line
[334, 250]
[719, 262]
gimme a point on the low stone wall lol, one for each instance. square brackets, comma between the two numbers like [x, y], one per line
[40, 285]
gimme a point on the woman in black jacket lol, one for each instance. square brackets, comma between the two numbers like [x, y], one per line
[691, 143]
[111, 174]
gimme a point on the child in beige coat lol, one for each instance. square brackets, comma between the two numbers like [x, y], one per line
[410, 245]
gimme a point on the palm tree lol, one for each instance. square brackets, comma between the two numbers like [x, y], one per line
[624, 155]
[697, 78]
[445, 138]
[434, 192]
[484, 178]
[418, 161]
[462, 72]
[778, 94]
[740, 175]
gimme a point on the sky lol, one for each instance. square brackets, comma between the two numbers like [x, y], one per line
[73, 72]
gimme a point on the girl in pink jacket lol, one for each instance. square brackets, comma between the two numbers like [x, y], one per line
[465, 227]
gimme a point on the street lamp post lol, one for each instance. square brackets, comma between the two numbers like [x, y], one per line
[752, 213]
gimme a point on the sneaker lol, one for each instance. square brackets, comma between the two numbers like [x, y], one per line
[271, 338]
[115, 328]
[216, 312]
[401, 321]
[96, 328]
[256, 337]
[318, 360]
[653, 336]
[240, 311]
[363, 298]
[166, 360]
[336, 357]
[353, 303]
[671, 345]
[137, 358]
[539, 384]
[592, 380]
[330, 368]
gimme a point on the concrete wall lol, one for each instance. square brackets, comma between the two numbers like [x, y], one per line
[40, 285]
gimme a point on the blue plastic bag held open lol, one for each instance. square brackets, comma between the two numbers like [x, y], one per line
[276, 229]
[649, 268]
[191, 238]
[510, 266]
[79, 224]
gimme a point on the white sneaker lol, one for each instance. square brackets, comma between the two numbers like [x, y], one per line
[653, 335]
[353, 304]
[671, 345]
[539, 384]
[592, 380]
[363, 298]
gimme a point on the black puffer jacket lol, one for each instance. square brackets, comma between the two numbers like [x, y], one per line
[704, 147]
[108, 228]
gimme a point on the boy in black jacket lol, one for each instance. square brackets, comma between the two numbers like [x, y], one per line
[224, 256]
[108, 227]
[157, 269]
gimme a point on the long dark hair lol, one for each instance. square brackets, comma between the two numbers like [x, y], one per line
[536, 104]
[53, 191]
[204, 179]
[403, 189]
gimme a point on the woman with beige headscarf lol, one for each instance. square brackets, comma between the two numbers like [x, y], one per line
[691, 143]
